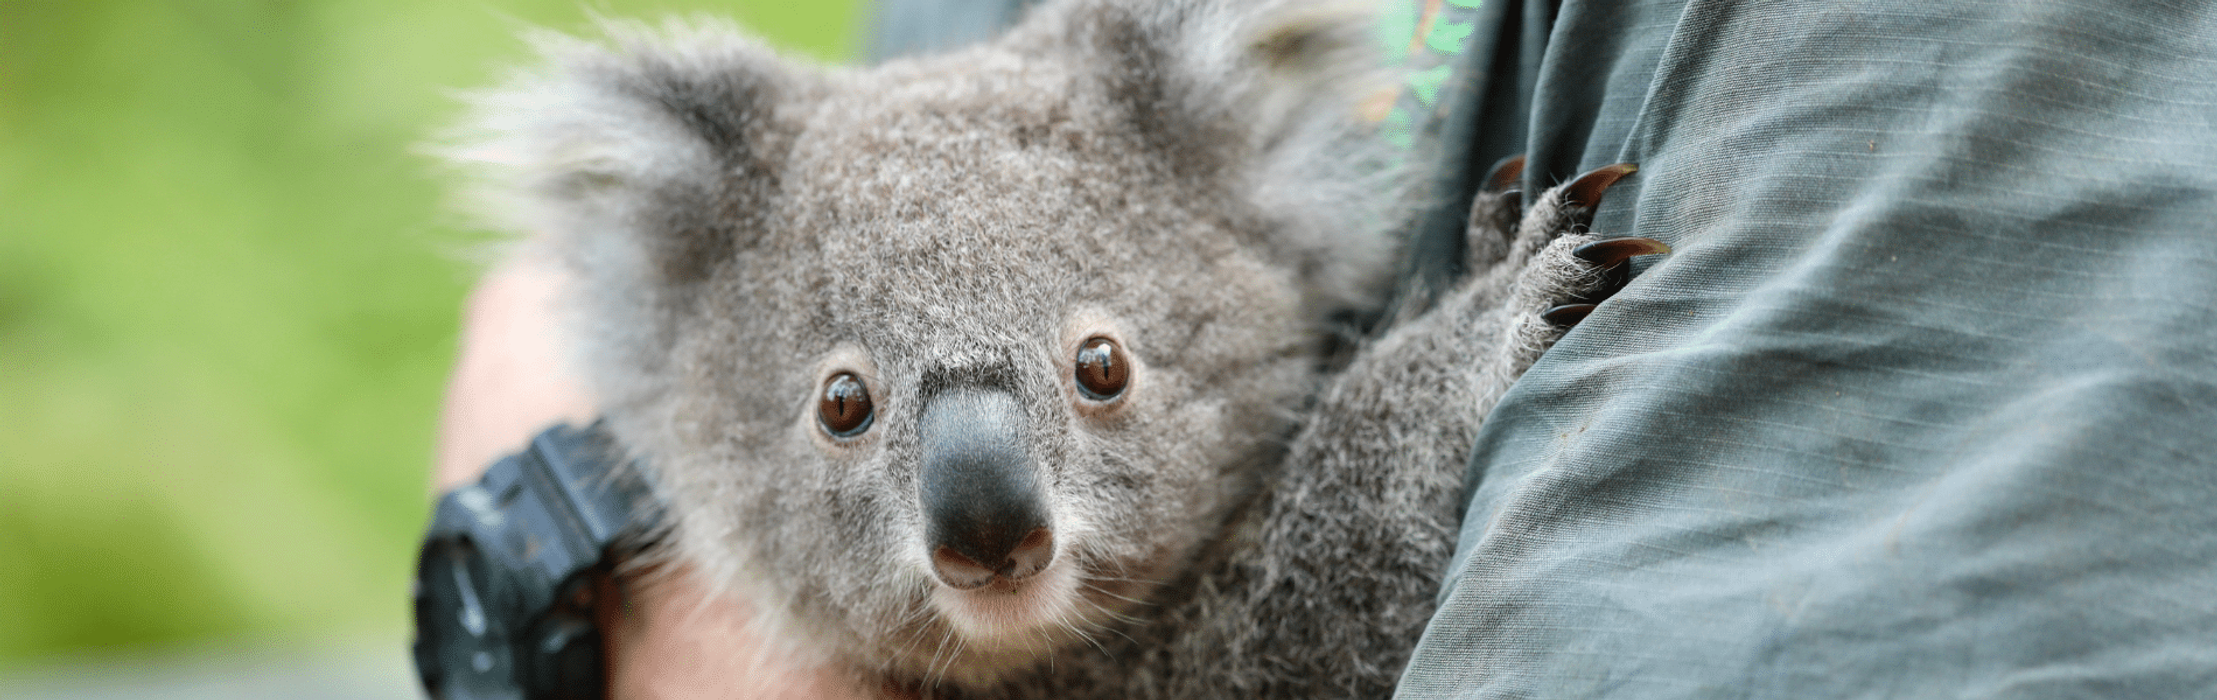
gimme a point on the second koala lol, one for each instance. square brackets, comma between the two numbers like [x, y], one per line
[1010, 371]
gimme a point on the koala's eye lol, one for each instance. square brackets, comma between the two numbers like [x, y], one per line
[1102, 369]
[845, 409]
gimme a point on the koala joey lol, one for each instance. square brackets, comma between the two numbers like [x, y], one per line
[1010, 372]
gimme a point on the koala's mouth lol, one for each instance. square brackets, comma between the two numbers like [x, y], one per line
[960, 567]
[1010, 610]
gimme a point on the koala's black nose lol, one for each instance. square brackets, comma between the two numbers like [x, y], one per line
[985, 518]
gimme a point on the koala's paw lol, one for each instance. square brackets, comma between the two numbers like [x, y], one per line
[1494, 214]
[1558, 269]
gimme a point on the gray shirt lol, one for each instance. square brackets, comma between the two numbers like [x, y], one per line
[1925, 403]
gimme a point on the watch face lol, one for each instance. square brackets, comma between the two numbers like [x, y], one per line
[462, 645]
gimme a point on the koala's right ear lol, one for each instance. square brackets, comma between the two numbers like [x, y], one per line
[654, 152]
[1268, 96]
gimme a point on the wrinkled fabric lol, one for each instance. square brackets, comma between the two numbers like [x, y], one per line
[1925, 402]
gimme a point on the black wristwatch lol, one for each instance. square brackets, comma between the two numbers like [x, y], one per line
[506, 583]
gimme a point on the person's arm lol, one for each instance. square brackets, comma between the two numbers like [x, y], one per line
[510, 380]
[667, 638]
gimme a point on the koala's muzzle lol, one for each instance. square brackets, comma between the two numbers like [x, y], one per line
[985, 518]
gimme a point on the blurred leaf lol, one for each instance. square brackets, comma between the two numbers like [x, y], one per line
[228, 294]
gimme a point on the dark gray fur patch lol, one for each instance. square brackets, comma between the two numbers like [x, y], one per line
[702, 222]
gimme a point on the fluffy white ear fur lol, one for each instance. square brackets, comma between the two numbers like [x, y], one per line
[598, 138]
[637, 161]
[605, 137]
[1290, 78]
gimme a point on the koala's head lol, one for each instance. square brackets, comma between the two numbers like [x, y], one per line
[948, 362]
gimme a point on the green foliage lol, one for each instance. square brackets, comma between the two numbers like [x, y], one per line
[228, 295]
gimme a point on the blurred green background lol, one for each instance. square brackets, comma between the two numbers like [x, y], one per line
[228, 296]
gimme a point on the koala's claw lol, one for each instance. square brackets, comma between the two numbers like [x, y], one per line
[1596, 267]
[1607, 256]
[1567, 315]
[1504, 175]
[1585, 191]
[1565, 269]
[1608, 253]
[1494, 214]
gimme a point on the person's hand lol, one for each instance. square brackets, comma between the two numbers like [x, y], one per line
[673, 640]
[665, 635]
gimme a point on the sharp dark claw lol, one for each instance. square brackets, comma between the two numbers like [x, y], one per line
[1505, 173]
[1567, 315]
[1585, 192]
[1611, 252]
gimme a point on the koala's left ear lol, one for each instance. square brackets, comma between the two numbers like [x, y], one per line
[648, 157]
[1267, 95]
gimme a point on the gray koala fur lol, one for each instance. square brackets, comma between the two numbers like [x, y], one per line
[1186, 178]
